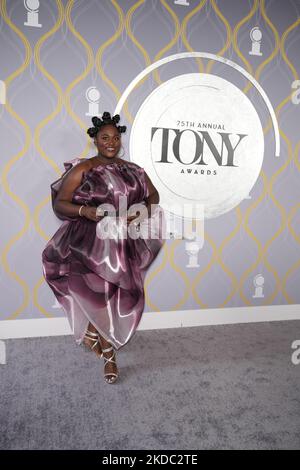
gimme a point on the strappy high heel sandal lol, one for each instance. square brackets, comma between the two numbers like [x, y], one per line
[110, 359]
[92, 337]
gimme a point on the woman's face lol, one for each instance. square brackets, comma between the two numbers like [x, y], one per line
[108, 141]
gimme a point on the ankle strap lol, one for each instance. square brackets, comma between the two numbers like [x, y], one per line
[92, 334]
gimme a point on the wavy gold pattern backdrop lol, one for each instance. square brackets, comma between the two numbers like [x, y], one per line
[45, 73]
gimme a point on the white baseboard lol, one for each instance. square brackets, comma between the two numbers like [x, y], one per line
[41, 327]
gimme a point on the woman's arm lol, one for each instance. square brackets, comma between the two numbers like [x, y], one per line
[63, 203]
[153, 197]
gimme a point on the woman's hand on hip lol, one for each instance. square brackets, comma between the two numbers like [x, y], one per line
[90, 213]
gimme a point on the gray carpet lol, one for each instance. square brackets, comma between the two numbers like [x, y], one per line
[212, 387]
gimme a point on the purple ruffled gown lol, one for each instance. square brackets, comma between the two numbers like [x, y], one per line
[101, 280]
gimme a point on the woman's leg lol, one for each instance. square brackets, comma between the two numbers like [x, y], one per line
[90, 341]
[110, 366]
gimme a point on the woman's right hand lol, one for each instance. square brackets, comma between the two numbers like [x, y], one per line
[90, 213]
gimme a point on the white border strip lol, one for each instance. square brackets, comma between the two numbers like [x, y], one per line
[32, 328]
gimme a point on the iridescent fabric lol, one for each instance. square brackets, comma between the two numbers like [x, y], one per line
[101, 280]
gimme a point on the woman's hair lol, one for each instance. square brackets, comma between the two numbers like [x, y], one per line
[106, 119]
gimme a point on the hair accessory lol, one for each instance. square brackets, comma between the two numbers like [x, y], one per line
[106, 119]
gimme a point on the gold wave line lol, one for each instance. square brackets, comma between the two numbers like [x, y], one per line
[182, 274]
[283, 39]
[152, 275]
[285, 58]
[47, 119]
[130, 34]
[294, 72]
[54, 82]
[294, 208]
[80, 77]
[219, 250]
[235, 44]
[253, 265]
[70, 111]
[66, 100]
[282, 211]
[37, 134]
[204, 271]
[297, 148]
[289, 272]
[264, 249]
[228, 35]
[102, 48]
[277, 42]
[185, 21]
[295, 265]
[172, 41]
[288, 161]
[11, 162]
[254, 205]
[271, 56]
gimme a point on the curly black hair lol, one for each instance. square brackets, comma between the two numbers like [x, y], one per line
[106, 119]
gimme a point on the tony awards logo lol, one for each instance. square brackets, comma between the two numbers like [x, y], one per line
[219, 144]
[201, 141]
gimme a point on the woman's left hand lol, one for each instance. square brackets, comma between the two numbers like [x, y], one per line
[130, 218]
[142, 215]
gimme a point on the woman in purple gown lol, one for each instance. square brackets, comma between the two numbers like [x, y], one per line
[99, 280]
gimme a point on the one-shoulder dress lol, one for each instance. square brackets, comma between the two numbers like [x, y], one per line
[97, 279]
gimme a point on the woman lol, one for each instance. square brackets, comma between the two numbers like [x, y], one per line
[98, 280]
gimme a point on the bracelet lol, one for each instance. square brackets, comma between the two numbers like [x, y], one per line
[80, 210]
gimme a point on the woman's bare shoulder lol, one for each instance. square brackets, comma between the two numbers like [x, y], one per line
[77, 170]
[83, 165]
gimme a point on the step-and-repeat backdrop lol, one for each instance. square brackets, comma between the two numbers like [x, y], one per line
[210, 94]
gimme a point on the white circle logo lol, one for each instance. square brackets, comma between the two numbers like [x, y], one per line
[201, 141]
